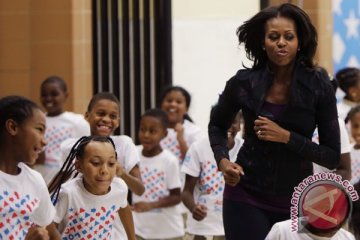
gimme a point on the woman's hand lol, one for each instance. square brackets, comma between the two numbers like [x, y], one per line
[231, 171]
[268, 130]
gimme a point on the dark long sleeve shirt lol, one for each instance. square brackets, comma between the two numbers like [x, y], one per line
[270, 166]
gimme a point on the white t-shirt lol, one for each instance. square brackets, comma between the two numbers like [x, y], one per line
[355, 165]
[58, 129]
[191, 133]
[345, 145]
[200, 162]
[159, 175]
[80, 213]
[282, 231]
[343, 108]
[127, 156]
[24, 200]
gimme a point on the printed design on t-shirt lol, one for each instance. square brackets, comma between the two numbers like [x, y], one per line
[90, 223]
[211, 180]
[355, 168]
[55, 135]
[154, 182]
[171, 143]
[15, 212]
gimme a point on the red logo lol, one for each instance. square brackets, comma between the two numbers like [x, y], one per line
[325, 206]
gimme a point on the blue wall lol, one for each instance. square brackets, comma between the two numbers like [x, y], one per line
[346, 34]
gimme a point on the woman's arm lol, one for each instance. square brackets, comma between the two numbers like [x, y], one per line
[344, 169]
[169, 201]
[127, 221]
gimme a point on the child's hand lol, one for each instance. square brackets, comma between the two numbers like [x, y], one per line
[141, 207]
[119, 170]
[199, 212]
[37, 233]
[179, 129]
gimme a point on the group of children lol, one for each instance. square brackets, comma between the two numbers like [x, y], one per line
[86, 171]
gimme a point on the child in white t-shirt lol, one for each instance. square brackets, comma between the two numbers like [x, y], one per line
[204, 186]
[182, 132]
[156, 215]
[26, 211]
[103, 115]
[60, 125]
[354, 119]
[349, 82]
[87, 205]
[282, 231]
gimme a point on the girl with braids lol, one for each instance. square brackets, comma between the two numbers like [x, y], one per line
[87, 205]
[103, 115]
[25, 208]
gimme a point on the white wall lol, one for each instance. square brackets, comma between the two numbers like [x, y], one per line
[205, 49]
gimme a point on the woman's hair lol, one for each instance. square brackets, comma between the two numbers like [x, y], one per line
[68, 168]
[55, 79]
[351, 113]
[347, 77]
[100, 96]
[184, 92]
[252, 33]
[17, 108]
[354, 223]
[159, 114]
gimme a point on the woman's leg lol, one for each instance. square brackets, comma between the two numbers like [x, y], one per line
[245, 222]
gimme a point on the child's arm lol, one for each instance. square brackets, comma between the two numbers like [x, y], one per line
[169, 201]
[42, 233]
[198, 211]
[132, 179]
[127, 221]
[53, 232]
[180, 137]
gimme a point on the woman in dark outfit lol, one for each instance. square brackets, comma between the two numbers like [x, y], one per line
[283, 97]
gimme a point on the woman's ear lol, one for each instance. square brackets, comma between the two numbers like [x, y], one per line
[11, 127]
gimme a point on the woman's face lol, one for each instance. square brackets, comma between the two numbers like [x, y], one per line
[281, 41]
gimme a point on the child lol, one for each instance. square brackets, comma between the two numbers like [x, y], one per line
[204, 186]
[60, 125]
[354, 118]
[155, 213]
[182, 132]
[103, 115]
[86, 206]
[282, 231]
[344, 168]
[349, 83]
[26, 211]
